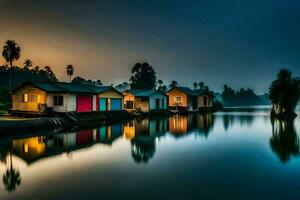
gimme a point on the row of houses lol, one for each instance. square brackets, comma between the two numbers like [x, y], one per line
[64, 97]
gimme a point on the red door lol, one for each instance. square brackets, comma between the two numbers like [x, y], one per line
[84, 103]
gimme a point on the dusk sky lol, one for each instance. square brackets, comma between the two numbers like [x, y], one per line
[241, 43]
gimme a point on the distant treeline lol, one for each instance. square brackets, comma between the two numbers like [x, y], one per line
[242, 97]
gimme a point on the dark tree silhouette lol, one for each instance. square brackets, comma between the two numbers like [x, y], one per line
[143, 76]
[173, 84]
[284, 93]
[27, 65]
[201, 85]
[11, 52]
[49, 73]
[195, 85]
[70, 71]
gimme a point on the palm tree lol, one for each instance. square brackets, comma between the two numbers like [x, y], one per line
[173, 84]
[27, 64]
[11, 52]
[70, 71]
[160, 82]
[195, 85]
[201, 85]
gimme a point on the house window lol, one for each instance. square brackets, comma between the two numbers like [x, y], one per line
[129, 104]
[163, 103]
[32, 98]
[58, 100]
[205, 101]
[178, 99]
[25, 98]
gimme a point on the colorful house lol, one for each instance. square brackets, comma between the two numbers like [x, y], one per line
[186, 99]
[145, 100]
[62, 97]
[108, 98]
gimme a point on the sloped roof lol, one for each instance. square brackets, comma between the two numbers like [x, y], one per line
[189, 91]
[49, 87]
[100, 89]
[74, 87]
[144, 92]
[186, 90]
[67, 87]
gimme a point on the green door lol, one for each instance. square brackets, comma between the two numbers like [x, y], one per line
[102, 104]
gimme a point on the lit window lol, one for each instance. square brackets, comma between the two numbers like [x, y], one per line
[25, 98]
[177, 99]
[33, 98]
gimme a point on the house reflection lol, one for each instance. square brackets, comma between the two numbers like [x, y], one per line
[29, 149]
[200, 124]
[284, 141]
[34, 148]
[143, 134]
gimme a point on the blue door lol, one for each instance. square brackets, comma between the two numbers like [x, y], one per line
[102, 104]
[115, 104]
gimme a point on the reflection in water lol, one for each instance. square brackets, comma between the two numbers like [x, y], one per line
[284, 141]
[143, 134]
[11, 178]
[181, 125]
[230, 119]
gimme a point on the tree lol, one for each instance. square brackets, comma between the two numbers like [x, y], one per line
[143, 76]
[173, 84]
[70, 71]
[49, 73]
[27, 65]
[201, 85]
[98, 82]
[11, 52]
[284, 93]
[79, 80]
[36, 69]
[195, 85]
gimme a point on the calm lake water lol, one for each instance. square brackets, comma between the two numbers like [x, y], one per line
[232, 155]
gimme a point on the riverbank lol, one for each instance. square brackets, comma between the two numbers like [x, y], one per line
[14, 125]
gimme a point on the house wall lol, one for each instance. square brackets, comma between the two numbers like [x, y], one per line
[110, 94]
[95, 102]
[162, 105]
[128, 97]
[175, 93]
[17, 103]
[201, 101]
[69, 104]
[143, 105]
[190, 106]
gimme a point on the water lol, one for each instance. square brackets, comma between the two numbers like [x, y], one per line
[232, 155]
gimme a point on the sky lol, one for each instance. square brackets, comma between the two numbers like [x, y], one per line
[235, 42]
